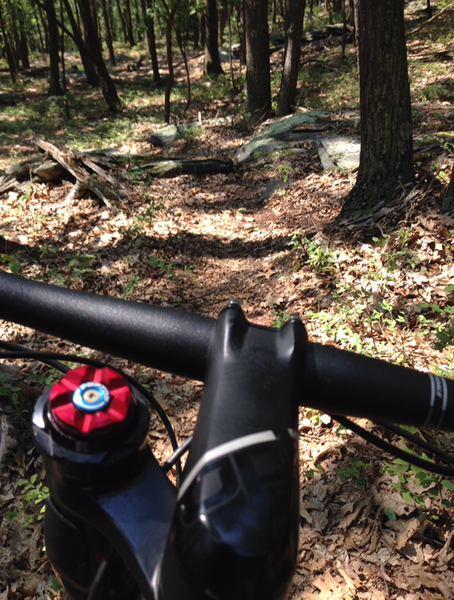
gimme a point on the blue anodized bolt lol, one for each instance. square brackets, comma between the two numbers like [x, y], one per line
[91, 397]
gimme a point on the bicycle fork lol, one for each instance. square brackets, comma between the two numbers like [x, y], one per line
[231, 530]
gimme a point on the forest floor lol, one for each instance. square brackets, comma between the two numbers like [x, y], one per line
[372, 527]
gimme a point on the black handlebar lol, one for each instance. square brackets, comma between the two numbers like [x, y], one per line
[335, 381]
[231, 530]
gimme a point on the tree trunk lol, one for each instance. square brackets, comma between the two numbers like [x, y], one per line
[6, 43]
[42, 44]
[128, 19]
[23, 45]
[107, 85]
[241, 28]
[195, 27]
[203, 30]
[45, 28]
[171, 76]
[109, 40]
[257, 58]
[212, 62]
[223, 14]
[293, 30]
[54, 86]
[87, 60]
[386, 158]
[150, 38]
[122, 21]
[448, 200]
[186, 66]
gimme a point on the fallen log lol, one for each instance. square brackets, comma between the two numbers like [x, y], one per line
[89, 170]
[174, 167]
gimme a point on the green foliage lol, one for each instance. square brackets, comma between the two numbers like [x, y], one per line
[144, 221]
[48, 377]
[11, 392]
[13, 263]
[130, 288]
[355, 472]
[316, 254]
[396, 251]
[445, 332]
[279, 319]
[158, 263]
[428, 486]
[283, 171]
[80, 266]
[35, 493]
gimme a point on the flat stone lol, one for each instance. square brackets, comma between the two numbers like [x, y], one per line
[338, 152]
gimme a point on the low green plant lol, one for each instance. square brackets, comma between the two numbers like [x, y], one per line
[143, 221]
[133, 284]
[158, 263]
[283, 171]
[314, 415]
[430, 486]
[35, 493]
[11, 392]
[322, 258]
[80, 266]
[190, 134]
[444, 330]
[279, 319]
[355, 472]
[49, 377]
[396, 253]
[13, 263]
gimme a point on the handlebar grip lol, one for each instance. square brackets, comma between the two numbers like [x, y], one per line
[163, 338]
[348, 384]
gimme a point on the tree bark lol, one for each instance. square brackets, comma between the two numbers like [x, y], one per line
[448, 200]
[223, 14]
[150, 38]
[109, 39]
[186, 66]
[87, 60]
[128, 19]
[122, 21]
[54, 84]
[293, 30]
[107, 85]
[6, 42]
[386, 158]
[257, 58]
[212, 62]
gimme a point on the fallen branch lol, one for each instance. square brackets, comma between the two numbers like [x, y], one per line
[175, 167]
[446, 8]
[79, 165]
[90, 169]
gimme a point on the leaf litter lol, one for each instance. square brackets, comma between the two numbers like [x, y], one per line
[371, 286]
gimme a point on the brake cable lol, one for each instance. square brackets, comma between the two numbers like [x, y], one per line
[398, 452]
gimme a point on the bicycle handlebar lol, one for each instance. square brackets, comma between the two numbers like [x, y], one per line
[236, 512]
[178, 342]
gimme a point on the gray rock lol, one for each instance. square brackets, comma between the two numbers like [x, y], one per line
[279, 135]
[339, 152]
[336, 152]
[170, 133]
